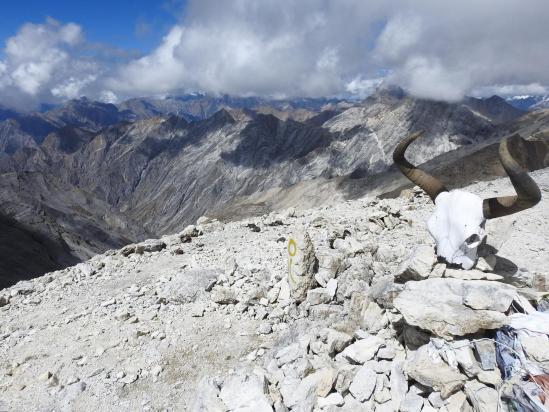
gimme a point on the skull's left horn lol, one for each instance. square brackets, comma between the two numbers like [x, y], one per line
[432, 186]
[528, 192]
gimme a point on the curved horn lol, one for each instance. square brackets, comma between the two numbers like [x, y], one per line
[432, 186]
[528, 192]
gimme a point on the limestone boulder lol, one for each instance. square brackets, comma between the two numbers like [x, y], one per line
[302, 266]
[453, 307]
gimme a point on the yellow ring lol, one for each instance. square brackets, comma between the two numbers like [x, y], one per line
[291, 243]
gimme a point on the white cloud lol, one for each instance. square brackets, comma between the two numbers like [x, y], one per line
[42, 63]
[434, 49]
[282, 48]
[512, 90]
[361, 87]
[158, 72]
[72, 87]
[444, 50]
[107, 96]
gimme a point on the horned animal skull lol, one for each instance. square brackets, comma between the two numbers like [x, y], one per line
[457, 224]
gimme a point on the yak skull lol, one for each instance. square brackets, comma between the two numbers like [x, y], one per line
[457, 225]
[458, 222]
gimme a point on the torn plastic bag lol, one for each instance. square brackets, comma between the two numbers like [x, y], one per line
[507, 360]
[537, 322]
[525, 398]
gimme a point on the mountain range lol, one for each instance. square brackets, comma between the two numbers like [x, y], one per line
[529, 102]
[88, 176]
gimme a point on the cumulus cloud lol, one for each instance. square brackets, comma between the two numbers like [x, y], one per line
[289, 48]
[445, 50]
[284, 48]
[276, 48]
[45, 63]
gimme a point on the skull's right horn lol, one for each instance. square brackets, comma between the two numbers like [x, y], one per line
[432, 186]
[528, 192]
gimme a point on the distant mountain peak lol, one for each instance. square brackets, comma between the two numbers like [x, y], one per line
[529, 102]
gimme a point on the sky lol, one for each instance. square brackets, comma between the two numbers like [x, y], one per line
[129, 24]
[51, 51]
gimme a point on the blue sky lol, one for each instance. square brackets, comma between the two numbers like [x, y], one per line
[127, 24]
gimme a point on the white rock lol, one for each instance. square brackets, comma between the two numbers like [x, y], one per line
[487, 263]
[331, 287]
[302, 263]
[386, 353]
[224, 295]
[536, 347]
[411, 403]
[245, 392]
[284, 293]
[197, 310]
[438, 270]
[436, 375]
[436, 400]
[156, 370]
[482, 397]
[336, 341]
[265, 328]
[472, 274]
[373, 319]
[207, 397]
[334, 399]
[492, 377]
[354, 405]
[345, 376]
[288, 354]
[363, 350]
[319, 296]
[457, 403]
[316, 384]
[131, 378]
[418, 266]
[466, 359]
[363, 384]
[398, 381]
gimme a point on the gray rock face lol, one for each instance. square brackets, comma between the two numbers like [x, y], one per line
[453, 307]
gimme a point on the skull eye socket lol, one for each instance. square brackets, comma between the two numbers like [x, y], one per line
[472, 239]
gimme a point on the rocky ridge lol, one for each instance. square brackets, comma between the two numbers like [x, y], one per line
[339, 308]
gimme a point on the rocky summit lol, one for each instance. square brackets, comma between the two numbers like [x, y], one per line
[335, 308]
